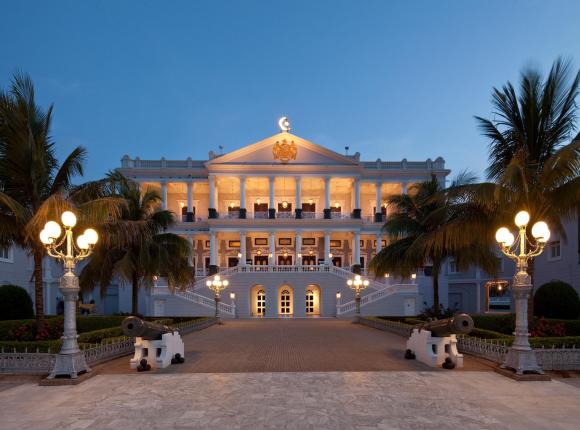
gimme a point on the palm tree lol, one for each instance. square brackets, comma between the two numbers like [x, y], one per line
[533, 164]
[135, 248]
[426, 228]
[33, 186]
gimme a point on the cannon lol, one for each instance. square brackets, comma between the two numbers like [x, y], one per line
[156, 345]
[459, 324]
[136, 327]
[435, 342]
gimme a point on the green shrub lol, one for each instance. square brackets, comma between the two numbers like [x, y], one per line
[97, 336]
[504, 323]
[15, 303]
[52, 346]
[557, 299]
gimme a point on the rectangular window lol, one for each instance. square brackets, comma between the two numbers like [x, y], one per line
[554, 251]
[234, 244]
[452, 266]
[6, 255]
[308, 241]
[285, 241]
[335, 243]
[260, 241]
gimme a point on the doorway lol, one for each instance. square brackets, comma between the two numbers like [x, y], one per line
[285, 301]
[284, 260]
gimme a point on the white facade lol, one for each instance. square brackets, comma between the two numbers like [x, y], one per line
[283, 202]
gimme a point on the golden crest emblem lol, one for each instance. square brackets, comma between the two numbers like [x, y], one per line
[285, 151]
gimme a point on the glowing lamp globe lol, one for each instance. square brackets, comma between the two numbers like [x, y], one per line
[349, 282]
[91, 235]
[217, 277]
[68, 219]
[501, 235]
[52, 229]
[82, 242]
[366, 282]
[541, 231]
[357, 278]
[44, 238]
[522, 218]
[208, 283]
[226, 283]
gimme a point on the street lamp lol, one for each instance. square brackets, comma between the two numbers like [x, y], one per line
[71, 360]
[521, 356]
[217, 285]
[357, 284]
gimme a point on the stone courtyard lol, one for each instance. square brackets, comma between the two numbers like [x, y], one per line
[293, 374]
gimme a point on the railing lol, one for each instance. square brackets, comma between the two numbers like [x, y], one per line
[224, 308]
[109, 350]
[389, 290]
[261, 215]
[285, 215]
[489, 349]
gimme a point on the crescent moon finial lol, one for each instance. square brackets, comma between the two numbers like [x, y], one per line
[284, 123]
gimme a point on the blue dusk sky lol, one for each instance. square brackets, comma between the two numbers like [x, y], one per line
[391, 80]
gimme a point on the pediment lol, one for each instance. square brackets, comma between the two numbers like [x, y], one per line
[280, 149]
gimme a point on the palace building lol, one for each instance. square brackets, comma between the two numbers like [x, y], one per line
[286, 221]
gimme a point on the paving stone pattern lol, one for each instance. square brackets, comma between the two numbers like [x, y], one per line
[292, 345]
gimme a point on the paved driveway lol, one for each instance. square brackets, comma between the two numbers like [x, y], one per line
[292, 345]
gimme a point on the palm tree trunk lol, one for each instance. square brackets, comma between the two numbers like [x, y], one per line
[436, 305]
[135, 295]
[38, 289]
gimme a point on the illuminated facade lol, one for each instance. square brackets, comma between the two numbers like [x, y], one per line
[285, 219]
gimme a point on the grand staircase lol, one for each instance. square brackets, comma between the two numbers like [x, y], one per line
[242, 278]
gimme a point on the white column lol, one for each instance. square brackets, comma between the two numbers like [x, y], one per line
[164, 195]
[271, 184]
[212, 192]
[357, 193]
[403, 188]
[379, 197]
[326, 247]
[356, 247]
[272, 243]
[298, 248]
[192, 245]
[242, 192]
[189, 196]
[379, 242]
[298, 180]
[212, 248]
[327, 192]
[243, 248]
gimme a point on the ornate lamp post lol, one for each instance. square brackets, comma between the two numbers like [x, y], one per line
[357, 284]
[217, 285]
[71, 360]
[521, 356]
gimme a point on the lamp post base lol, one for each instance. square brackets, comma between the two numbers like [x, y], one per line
[69, 365]
[522, 361]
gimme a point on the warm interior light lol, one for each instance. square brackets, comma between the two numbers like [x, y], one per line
[258, 201]
[232, 205]
[330, 255]
[53, 229]
[311, 252]
[414, 276]
[239, 255]
[310, 201]
[285, 254]
[82, 242]
[259, 252]
[91, 235]
[232, 296]
[336, 205]
[541, 231]
[299, 255]
[386, 275]
[284, 204]
[68, 219]
[181, 204]
[338, 295]
[522, 218]
[499, 287]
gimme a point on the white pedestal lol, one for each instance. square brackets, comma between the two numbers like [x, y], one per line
[158, 353]
[434, 350]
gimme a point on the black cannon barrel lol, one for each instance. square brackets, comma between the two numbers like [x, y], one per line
[459, 324]
[136, 327]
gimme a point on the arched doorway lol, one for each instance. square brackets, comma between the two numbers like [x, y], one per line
[285, 301]
[258, 301]
[312, 300]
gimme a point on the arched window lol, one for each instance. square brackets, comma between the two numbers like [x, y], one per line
[261, 302]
